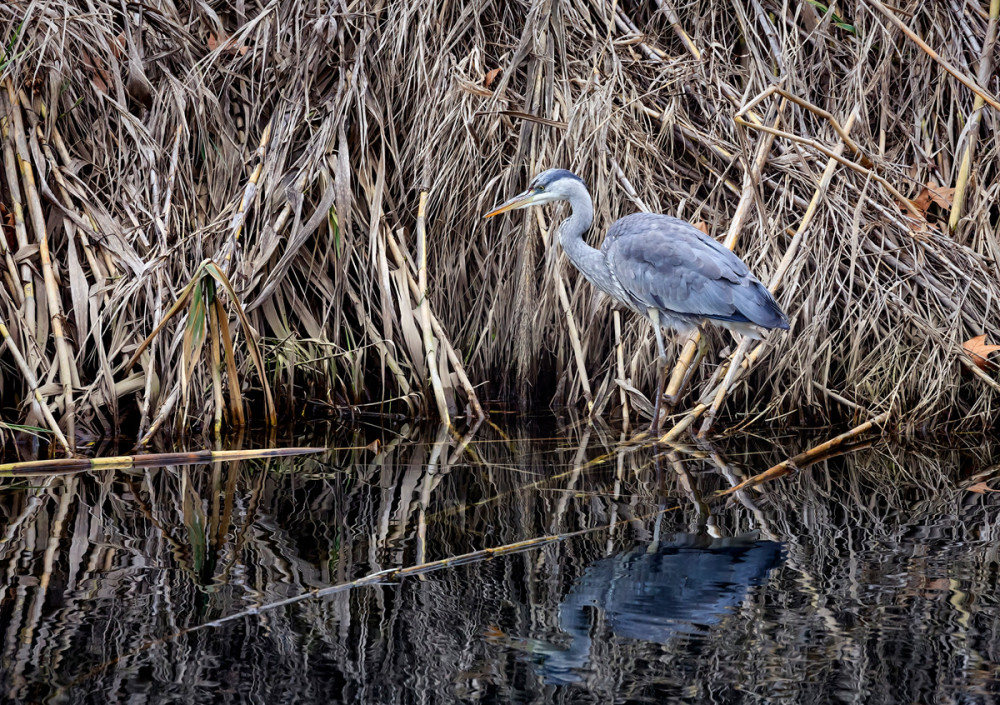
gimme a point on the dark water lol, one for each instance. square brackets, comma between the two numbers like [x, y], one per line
[870, 578]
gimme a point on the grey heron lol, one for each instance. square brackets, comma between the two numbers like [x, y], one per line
[659, 266]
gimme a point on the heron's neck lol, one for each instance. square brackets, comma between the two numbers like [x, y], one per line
[588, 260]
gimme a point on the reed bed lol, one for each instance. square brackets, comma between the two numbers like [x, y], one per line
[283, 199]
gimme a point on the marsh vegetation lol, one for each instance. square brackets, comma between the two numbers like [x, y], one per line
[283, 199]
[217, 217]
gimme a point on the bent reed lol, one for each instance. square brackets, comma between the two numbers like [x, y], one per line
[285, 196]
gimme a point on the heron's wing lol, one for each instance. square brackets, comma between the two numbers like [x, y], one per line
[667, 264]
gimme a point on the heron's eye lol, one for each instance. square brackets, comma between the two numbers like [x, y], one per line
[539, 189]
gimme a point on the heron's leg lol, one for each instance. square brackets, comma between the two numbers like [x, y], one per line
[661, 369]
[701, 351]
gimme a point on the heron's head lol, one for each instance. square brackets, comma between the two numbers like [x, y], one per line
[551, 185]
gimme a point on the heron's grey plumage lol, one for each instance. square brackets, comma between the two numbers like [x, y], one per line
[650, 261]
[662, 267]
[665, 263]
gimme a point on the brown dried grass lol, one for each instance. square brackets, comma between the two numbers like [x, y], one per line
[289, 142]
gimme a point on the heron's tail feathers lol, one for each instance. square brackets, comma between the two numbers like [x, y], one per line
[756, 303]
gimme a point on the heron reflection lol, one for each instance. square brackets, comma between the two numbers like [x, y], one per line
[681, 587]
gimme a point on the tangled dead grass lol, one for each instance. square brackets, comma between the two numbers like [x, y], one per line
[291, 142]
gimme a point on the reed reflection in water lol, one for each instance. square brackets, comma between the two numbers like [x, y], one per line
[870, 577]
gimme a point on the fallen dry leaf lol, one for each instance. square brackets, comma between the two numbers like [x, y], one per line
[227, 43]
[373, 446]
[944, 196]
[703, 226]
[99, 77]
[932, 193]
[980, 488]
[118, 46]
[491, 76]
[979, 351]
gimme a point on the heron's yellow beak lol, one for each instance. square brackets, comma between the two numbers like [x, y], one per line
[521, 200]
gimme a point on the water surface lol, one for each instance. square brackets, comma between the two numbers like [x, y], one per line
[869, 578]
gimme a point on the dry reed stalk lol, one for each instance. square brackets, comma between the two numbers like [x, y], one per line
[27, 289]
[162, 417]
[425, 312]
[95, 267]
[903, 200]
[163, 218]
[77, 278]
[246, 200]
[390, 359]
[37, 402]
[620, 362]
[45, 257]
[216, 362]
[675, 23]
[439, 333]
[736, 358]
[148, 366]
[751, 181]
[962, 78]
[972, 129]
[232, 372]
[30, 468]
[695, 412]
[815, 453]
[619, 92]
[843, 132]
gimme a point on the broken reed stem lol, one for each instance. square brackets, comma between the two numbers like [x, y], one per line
[724, 387]
[750, 179]
[620, 362]
[962, 78]
[843, 132]
[48, 276]
[216, 364]
[425, 312]
[903, 200]
[147, 460]
[972, 130]
[802, 459]
[164, 217]
[696, 412]
[38, 404]
[165, 409]
[249, 191]
[445, 342]
[783, 267]
[974, 369]
[232, 374]
[71, 230]
[675, 24]
[30, 317]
